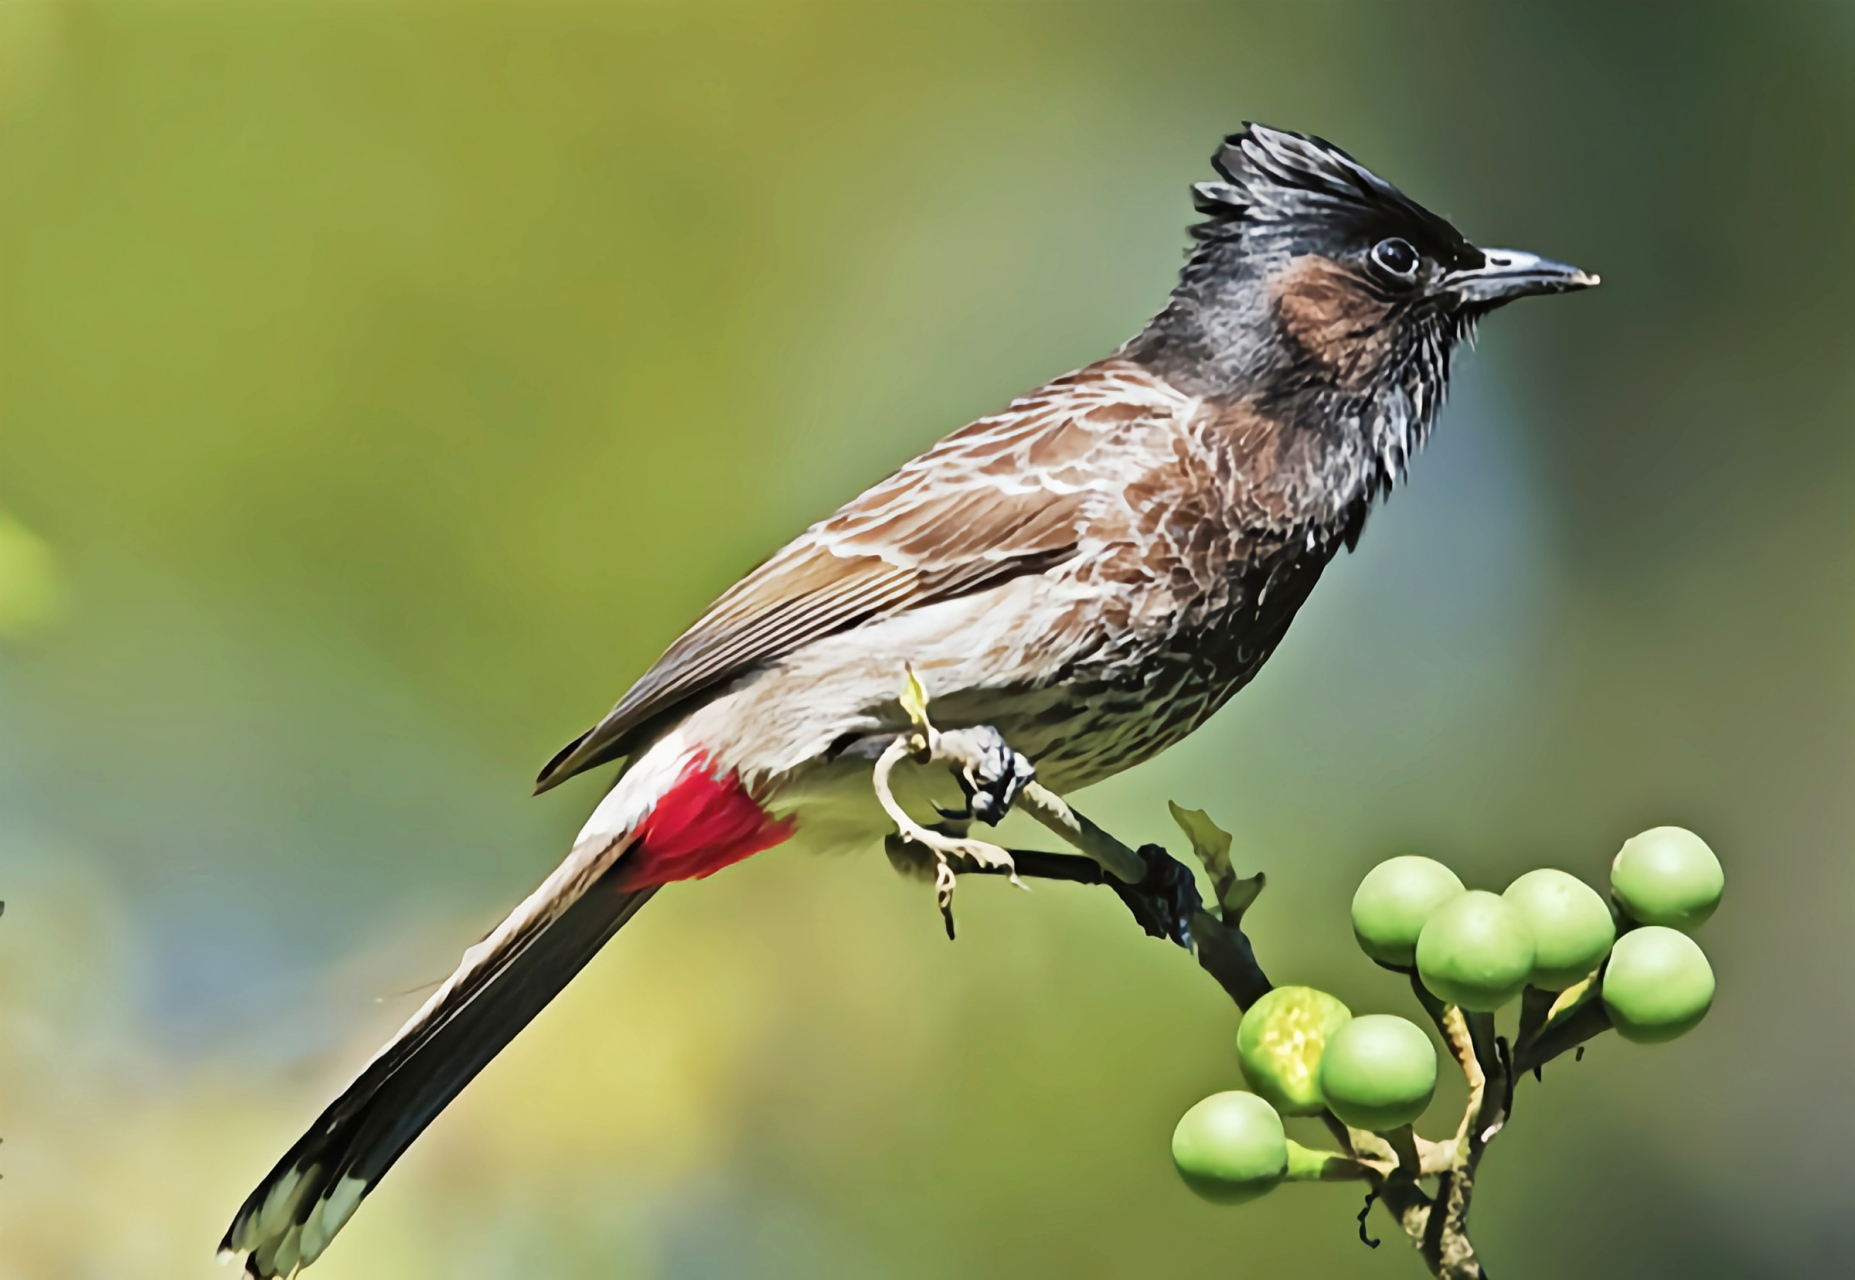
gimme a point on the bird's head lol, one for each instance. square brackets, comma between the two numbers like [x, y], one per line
[1315, 280]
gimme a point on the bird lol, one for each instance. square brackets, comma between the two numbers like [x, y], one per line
[1086, 576]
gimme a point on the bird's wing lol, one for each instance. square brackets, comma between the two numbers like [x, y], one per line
[1005, 496]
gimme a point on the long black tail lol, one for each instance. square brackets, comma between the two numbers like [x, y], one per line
[503, 982]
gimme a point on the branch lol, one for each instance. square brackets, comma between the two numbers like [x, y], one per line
[1162, 895]
[1223, 951]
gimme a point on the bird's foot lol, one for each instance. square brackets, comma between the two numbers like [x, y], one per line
[948, 854]
[961, 853]
[989, 771]
[1165, 901]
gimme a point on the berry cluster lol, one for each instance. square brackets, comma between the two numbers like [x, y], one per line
[1577, 964]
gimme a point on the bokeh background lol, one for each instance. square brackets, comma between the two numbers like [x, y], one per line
[383, 384]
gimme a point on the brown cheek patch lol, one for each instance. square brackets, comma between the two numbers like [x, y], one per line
[1333, 316]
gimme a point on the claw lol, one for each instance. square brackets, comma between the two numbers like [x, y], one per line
[948, 850]
[943, 893]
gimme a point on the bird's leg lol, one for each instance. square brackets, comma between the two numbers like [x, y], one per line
[945, 845]
[950, 851]
[994, 776]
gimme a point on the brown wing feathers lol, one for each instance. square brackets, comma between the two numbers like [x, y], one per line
[1003, 497]
[713, 654]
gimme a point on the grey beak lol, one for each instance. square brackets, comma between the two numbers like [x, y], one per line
[1506, 274]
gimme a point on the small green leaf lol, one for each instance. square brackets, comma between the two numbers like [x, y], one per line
[1568, 1003]
[914, 699]
[1211, 843]
[1236, 898]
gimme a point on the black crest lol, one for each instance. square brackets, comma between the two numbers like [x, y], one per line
[1275, 180]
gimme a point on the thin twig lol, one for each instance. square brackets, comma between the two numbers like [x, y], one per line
[1055, 813]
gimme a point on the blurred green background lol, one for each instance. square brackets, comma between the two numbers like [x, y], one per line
[382, 385]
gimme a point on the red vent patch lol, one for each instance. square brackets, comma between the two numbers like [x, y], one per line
[703, 823]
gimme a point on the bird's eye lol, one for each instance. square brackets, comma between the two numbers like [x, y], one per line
[1395, 257]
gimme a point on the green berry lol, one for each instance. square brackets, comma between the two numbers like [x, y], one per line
[1667, 876]
[1571, 924]
[1475, 951]
[1658, 984]
[1279, 1044]
[1230, 1148]
[1378, 1072]
[1394, 900]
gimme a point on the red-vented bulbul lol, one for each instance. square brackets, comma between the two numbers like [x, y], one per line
[1091, 572]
